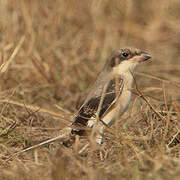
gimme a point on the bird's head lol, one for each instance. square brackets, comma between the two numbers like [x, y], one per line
[126, 59]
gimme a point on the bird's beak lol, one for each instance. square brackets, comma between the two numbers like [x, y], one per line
[144, 57]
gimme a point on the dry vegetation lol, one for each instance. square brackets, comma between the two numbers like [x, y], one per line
[52, 51]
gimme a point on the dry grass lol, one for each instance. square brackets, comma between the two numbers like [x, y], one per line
[52, 51]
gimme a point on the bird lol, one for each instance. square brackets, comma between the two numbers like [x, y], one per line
[107, 100]
[111, 93]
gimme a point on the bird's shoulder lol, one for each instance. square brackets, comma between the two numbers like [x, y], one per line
[108, 91]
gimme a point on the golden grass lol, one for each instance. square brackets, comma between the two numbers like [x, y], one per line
[52, 51]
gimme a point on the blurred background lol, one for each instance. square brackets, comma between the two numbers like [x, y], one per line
[52, 51]
[64, 44]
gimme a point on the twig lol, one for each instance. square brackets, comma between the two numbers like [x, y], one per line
[5, 65]
[34, 108]
[65, 134]
[145, 99]
[159, 79]
[40, 69]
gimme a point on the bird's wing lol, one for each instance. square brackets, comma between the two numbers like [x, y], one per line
[90, 107]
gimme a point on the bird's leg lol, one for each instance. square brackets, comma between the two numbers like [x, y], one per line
[100, 127]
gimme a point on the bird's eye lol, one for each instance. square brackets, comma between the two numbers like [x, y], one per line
[125, 54]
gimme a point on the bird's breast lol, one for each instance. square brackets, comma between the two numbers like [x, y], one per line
[124, 101]
[121, 107]
[125, 97]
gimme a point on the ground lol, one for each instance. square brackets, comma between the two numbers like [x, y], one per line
[50, 55]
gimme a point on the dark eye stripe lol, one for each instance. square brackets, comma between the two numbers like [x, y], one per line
[114, 61]
[122, 55]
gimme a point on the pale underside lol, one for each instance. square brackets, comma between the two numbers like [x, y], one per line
[110, 97]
